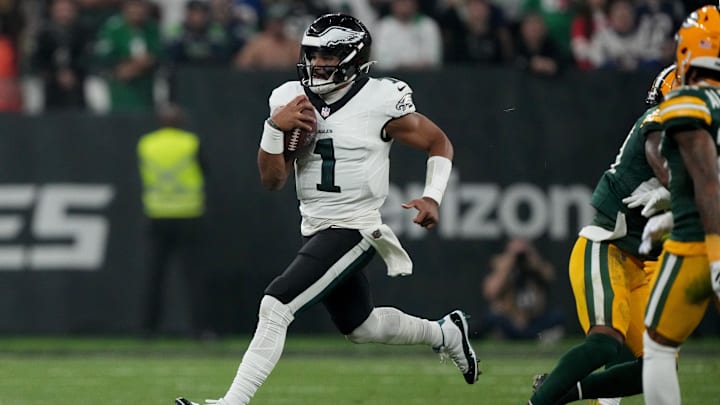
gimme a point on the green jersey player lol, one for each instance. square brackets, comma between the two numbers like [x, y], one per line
[610, 278]
[689, 270]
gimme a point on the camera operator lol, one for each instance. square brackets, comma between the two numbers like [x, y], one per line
[517, 291]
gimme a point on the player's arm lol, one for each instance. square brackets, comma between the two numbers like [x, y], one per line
[419, 132]
[687, 120]
[274, 169]
[700, 158]
[654, 158]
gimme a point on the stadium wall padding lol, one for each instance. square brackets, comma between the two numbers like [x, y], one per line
[528, 151]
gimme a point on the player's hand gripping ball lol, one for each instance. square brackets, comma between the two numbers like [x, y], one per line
[297, 139]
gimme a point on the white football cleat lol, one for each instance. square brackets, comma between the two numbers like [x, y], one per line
[456, 345]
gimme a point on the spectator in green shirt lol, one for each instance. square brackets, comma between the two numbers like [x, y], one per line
[558, 16]
[129, 49]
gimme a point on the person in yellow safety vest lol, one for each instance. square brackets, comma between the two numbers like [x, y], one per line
[173, 199]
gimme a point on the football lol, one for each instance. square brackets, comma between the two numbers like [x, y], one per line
[298, 139]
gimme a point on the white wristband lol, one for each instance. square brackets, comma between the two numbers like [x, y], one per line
[272, 140]
[436, 179]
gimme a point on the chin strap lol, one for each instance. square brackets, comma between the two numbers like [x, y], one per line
[365, 67]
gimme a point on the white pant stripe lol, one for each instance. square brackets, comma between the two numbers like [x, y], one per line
[659, 288]
[335, 271]
[597, 284]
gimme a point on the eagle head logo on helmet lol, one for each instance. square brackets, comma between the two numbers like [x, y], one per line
[336, 35]
[698, 44]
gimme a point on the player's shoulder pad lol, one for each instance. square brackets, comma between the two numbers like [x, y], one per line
[650, 121]
[285, 92]
[651, 115]
[687, 91]
[395, 96]
[393, 85]
[688, 102]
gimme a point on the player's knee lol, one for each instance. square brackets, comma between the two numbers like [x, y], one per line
[658, 338]
[272, 310]
[654, 350]
[367, 332]
[608, 331]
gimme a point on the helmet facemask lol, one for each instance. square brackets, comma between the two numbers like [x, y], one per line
[665, 82]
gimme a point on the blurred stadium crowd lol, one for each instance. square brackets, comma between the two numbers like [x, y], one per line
[120, 55]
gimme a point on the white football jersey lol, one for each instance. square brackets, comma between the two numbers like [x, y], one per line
[342, 180]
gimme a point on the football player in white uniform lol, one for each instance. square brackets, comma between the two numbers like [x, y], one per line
[341, 181]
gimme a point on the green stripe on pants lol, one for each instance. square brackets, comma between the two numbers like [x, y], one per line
[588, 282]
[608, 294]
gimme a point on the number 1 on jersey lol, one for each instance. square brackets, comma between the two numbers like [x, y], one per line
[324, 147]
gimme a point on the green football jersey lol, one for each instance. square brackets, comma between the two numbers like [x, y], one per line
[687, 108]
[621, 179]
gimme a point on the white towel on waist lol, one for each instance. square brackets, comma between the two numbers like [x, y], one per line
[383, 239]
[599, 234]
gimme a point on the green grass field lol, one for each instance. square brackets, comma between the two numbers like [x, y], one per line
[324, 370]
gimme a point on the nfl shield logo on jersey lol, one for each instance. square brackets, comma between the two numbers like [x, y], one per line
[325, 111]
